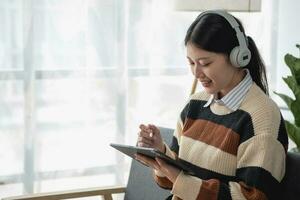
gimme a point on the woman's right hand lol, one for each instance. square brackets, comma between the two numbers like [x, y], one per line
[149, 136]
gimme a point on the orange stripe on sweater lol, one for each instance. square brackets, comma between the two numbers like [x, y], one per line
[209, 190]
[251, 193]
[212, 134]
[163, 181]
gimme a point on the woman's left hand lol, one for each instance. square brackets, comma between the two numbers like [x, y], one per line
[169, 171]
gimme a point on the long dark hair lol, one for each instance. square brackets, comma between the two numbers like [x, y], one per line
[211, 32]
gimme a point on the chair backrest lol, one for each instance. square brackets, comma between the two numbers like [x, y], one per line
[141, 185]
[291, 182]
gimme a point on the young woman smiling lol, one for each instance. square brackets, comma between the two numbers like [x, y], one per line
[232, 134]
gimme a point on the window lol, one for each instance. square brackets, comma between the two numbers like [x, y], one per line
[76, 75]
[73, 76]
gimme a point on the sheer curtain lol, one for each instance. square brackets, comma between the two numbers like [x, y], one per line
[76, 75]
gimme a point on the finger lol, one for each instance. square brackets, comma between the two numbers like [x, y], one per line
[155, 130]
[163, 166]
[141, 144]
[145, 140]
[170, 171]
[142, 126]
[145, 128]
[160, 162]
[146, 134]
[147, 161]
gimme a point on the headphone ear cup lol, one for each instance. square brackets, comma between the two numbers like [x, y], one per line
[240, 57]
[244, 57]
[234, 56]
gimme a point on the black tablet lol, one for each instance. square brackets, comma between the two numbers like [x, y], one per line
[152, 153]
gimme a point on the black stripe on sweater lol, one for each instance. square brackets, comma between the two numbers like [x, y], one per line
[174, 145]
[261, 179]
[239, 121]
[184, 112]
[224, 192]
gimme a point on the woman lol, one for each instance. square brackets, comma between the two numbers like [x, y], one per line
[232, 131]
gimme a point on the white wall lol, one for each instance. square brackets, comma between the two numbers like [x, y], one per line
[288, 35]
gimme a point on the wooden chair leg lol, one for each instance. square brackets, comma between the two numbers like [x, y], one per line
[108, 197]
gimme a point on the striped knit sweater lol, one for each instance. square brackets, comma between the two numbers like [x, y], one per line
[238, 155]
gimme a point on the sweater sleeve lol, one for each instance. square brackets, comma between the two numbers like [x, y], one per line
[260, 168]
[172, 151]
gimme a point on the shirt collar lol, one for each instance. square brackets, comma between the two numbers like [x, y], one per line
[234, 98]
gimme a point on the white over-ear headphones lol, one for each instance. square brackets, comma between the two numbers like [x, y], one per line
[240, 55]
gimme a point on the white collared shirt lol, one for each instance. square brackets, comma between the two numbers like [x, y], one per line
[234, 98]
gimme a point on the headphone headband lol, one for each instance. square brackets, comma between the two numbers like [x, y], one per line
[240, 56]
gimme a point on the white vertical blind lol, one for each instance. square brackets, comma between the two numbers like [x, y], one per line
[76, 75]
